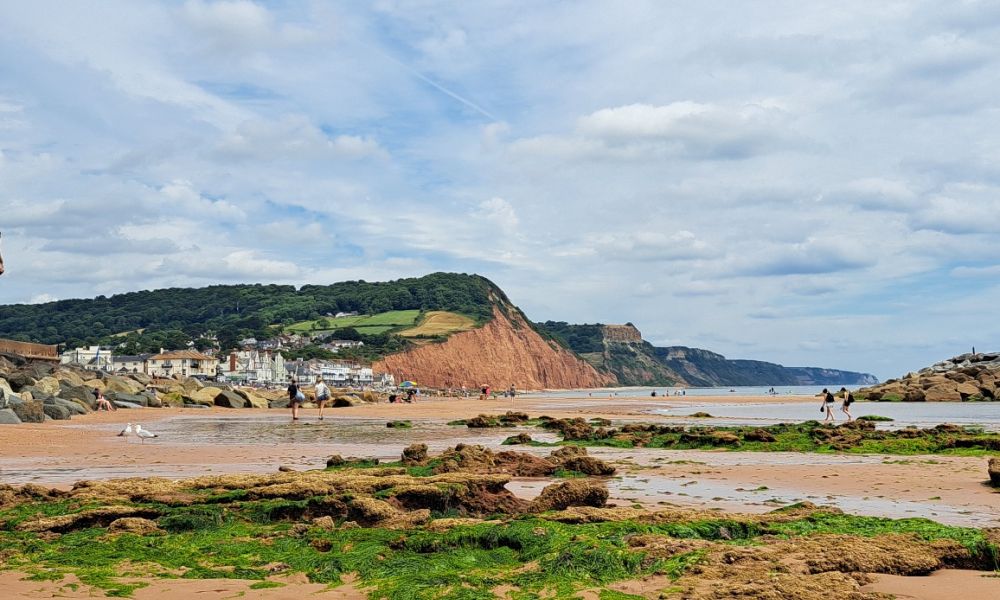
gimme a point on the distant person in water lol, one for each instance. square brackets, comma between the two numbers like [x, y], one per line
[848, 401]
[293, 398]
[827, 406]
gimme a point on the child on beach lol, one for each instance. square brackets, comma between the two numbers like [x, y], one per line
[848, 400]
[828, 401]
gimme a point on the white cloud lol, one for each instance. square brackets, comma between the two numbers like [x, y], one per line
[293, 137]
[787, 160]
[499, 213]
[654, 246]
[238, 25]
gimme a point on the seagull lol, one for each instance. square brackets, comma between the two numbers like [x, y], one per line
[126, 433]
[144, 434]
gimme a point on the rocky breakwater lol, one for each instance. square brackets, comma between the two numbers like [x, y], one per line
[505, 351]
[33, 392]
[965, 378]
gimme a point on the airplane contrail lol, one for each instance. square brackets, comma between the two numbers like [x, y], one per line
[442, 89]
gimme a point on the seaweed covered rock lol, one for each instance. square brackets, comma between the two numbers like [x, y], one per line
[514, 440]
[513, 418]
[483, 422]
[135, 525]
[575, 458]
[994, 471]
[575, 492]
[571, 429]
[759, 435]
[414, 454]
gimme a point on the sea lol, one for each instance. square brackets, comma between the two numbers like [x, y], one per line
[739, 391]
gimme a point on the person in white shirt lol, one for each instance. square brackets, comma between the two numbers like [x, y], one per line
[322, 395]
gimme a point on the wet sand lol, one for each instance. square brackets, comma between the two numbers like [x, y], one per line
[200, 441]
[15, 587]
[949, 584]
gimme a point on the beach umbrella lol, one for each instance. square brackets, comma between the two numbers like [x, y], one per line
[408, 384]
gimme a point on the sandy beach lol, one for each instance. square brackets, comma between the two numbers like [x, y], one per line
[57, 453]
[948, 489]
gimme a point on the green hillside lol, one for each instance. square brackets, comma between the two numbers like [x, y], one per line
[171, 317]
[363, 324]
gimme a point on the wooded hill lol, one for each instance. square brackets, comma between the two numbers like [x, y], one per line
[172, 317]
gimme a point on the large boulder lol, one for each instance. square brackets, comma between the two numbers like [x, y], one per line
[8, 417]
[994, 470]
[31, 411]
[281, 402]
[95, 384]
[49, 385]
[140, 399]
[68, 376]
[205, 396]
[20, 379]
[942, 393]
[5, 387]
[123, 385]
[141, 378]
[191, 385]
[55, 411]
[78, 393]
[253, 400]
[230, 399]
[36, 392]
[74, 408]
[175, 399]
[344, 401]
[969, 390]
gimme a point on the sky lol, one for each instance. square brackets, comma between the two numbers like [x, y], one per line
[814, 184]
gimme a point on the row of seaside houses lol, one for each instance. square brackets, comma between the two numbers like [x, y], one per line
[247, 367]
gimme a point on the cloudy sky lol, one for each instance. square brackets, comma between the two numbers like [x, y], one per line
[807, 183]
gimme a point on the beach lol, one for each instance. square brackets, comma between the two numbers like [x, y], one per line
[218, 441]
[214, 441]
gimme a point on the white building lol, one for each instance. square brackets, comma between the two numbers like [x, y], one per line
[255, 367]
[186, 363]
[93, 358]
[125, 364]
[334, 373]
[336, 345]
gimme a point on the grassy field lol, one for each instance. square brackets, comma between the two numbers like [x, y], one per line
[367, 324]
[438, 322]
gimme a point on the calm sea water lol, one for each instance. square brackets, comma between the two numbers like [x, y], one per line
[742, 391]
[904, 414]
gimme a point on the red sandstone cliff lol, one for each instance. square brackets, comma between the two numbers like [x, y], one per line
[503, 352]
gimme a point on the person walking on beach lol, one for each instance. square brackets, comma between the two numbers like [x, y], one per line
[322, 395]
[848, 401]
[293, 398]
[828, 401]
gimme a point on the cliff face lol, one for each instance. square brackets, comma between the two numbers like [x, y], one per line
[503, 352]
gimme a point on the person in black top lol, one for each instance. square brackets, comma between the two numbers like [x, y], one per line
[828, 401]
[293, 399]
[848, 401]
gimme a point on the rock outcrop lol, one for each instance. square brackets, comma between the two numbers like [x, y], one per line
[965, 378]
[505, 351]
